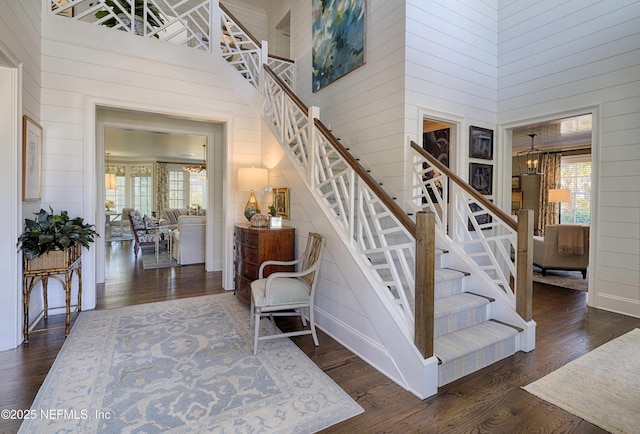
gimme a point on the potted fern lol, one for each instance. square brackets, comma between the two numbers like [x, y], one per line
[54, 240]
[122, 8]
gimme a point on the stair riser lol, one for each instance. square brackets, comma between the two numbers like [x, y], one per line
[448, 287]
[472, 362]
[460, 320]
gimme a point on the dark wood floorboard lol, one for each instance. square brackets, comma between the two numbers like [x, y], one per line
[488, 401]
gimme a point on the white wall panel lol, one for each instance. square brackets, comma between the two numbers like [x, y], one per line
[562, 56]
[252, 17]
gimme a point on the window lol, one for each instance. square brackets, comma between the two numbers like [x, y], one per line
[177, 189]
[576, 176]
[198, 189]
[141, 188]
[119, 195]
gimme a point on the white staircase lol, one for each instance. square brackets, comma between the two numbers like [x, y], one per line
[476, 321]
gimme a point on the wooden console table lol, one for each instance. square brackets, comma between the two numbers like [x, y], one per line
[256, 245]
[60, 267]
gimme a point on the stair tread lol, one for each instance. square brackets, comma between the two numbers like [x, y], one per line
[466, 341]
[458, 303]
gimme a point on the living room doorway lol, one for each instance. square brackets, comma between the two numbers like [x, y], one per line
[139, 144]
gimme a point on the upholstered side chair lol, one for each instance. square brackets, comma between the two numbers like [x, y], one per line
[288, 293]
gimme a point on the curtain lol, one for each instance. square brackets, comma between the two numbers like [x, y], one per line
[162, 194]
[550, 167]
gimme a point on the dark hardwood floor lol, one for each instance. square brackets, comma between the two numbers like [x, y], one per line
[488, 401]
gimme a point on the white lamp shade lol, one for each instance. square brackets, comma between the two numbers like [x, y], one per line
[559, 195]
[252, 178]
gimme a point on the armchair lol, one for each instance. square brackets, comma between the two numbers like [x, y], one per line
[144, 232]
[563, 247]
[287, 293]
[189, 240]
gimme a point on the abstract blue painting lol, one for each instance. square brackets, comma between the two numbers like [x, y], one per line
[338, 39]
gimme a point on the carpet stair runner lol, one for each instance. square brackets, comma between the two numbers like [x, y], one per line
[466, 338]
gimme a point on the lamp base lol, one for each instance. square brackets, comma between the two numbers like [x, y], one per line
[252, 208]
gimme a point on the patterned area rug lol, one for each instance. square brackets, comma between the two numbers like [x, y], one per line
[601, 387]
[563, 279]
[183, 366]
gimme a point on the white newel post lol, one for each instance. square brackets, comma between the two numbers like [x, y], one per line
[314, 113]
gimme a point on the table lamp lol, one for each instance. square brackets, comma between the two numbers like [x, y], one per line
[251, 179]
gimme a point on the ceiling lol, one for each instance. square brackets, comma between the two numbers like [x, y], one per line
[129, 144]
[567, 133]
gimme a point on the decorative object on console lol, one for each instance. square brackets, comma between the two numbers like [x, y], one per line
[281, 201]
[480, 143]
[251, 179]
[531, 158]
[31, 160]
[259, 221]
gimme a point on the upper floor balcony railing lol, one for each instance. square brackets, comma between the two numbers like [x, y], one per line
[189, 23]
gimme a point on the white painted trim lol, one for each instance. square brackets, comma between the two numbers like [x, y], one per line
[505, 130]
[94, 184]
[11, 109]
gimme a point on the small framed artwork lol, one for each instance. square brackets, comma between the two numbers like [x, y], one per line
[516, 200]
[481, 219]
[31, 160]
[281, 201]
[481, 177]
[480, 143]
[515, 183]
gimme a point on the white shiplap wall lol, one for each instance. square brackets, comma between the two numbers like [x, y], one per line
[451, 71]
[121, 70]
[572, 56]
[19, 45]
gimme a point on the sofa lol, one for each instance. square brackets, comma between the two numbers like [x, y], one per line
[563, 247]
[188, 242]
[169, 216]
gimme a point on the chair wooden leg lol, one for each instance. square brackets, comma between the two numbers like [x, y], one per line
[255, 333]
[312, 323]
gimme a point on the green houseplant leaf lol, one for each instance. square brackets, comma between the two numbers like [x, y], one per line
[154, 17]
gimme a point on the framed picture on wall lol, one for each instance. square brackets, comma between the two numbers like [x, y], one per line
[515, 183]
[480, 143]
[281, 201]
[516, 200]
[31, 160]
[481, 177]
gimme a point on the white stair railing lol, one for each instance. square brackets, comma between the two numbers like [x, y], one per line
[366, 217]
[183, 22]
[485, 233]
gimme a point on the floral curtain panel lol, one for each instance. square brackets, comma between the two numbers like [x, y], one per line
[550, 166]
[162, 194]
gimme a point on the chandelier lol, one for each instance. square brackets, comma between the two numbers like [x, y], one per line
[198, 168]
[531, 159]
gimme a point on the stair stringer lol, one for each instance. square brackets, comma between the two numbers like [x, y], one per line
[502, 309]
[390, 349]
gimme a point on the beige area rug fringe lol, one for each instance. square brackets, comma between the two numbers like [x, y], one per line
[601, 387]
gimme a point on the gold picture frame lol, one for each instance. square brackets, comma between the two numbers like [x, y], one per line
[516, 200]
[281, 201]
[31, 160]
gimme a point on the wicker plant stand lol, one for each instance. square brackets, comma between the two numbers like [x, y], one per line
[59, 265]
